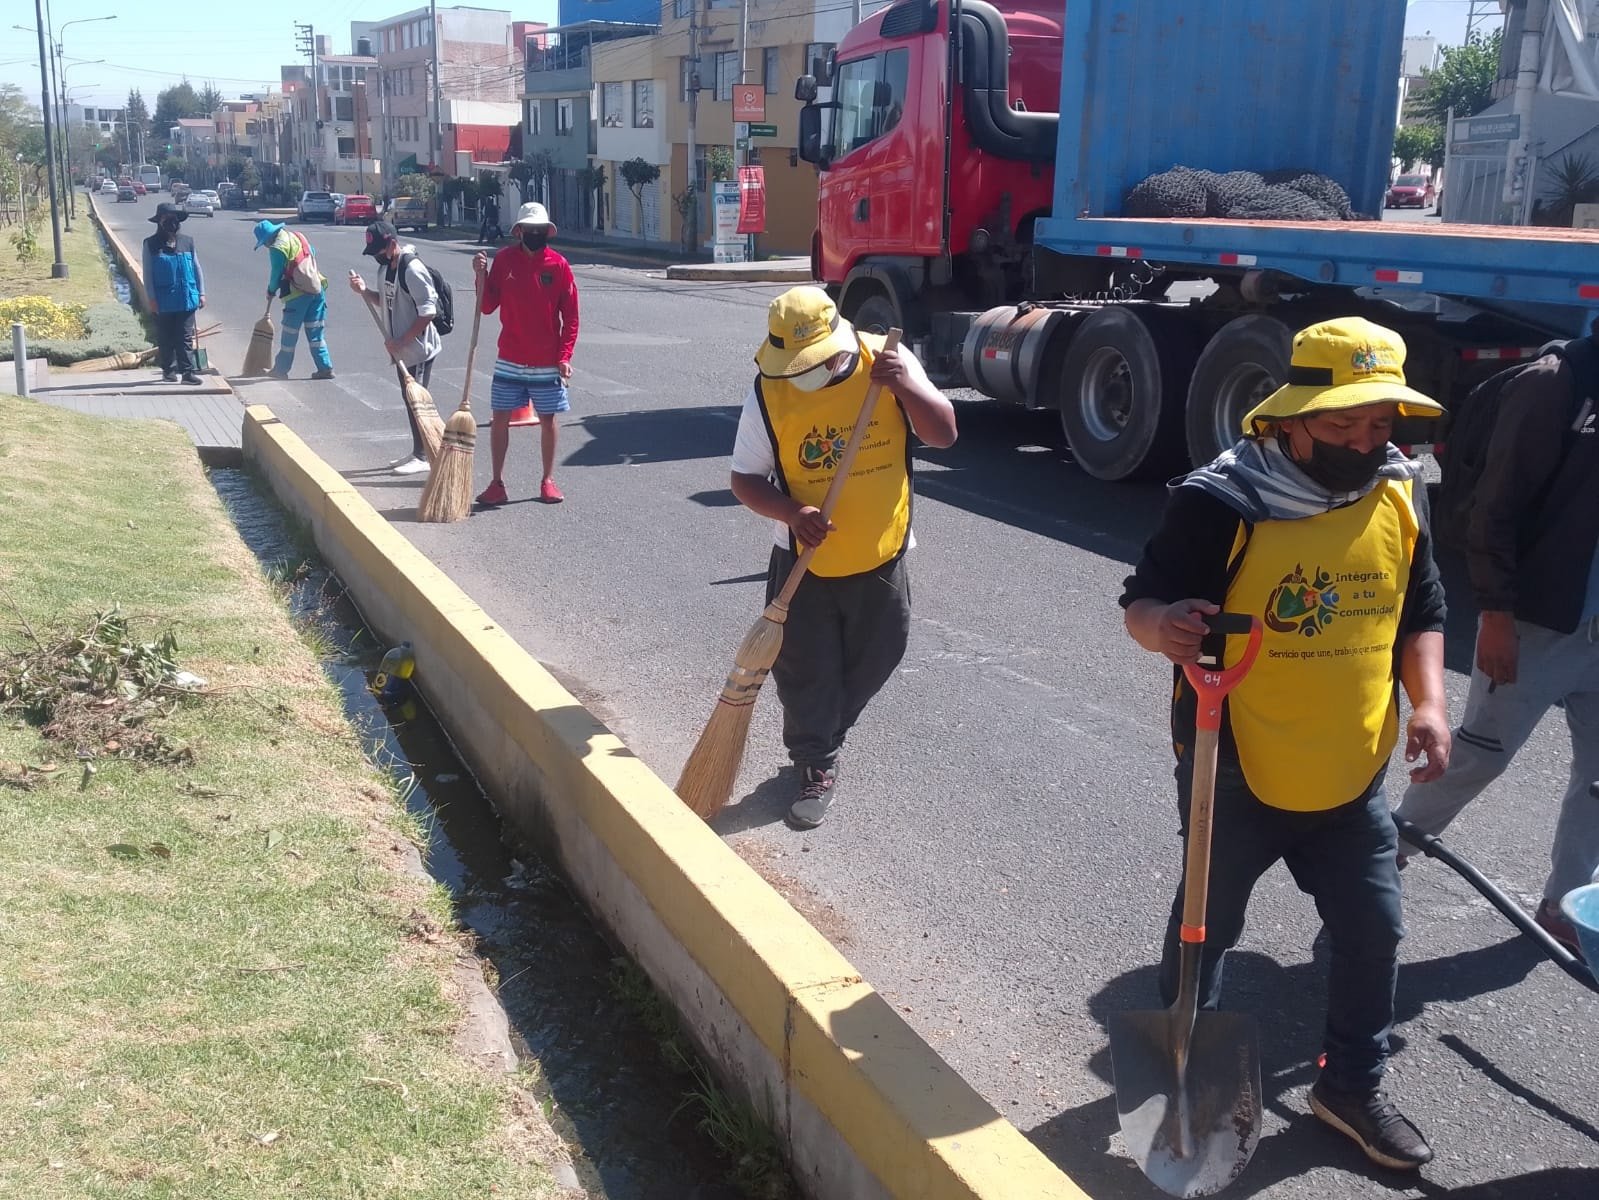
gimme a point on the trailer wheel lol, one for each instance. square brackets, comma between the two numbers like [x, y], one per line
[1244, 363]
[875, 314]
[1121, 391]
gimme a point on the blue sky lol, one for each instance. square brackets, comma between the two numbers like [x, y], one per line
[239, 44]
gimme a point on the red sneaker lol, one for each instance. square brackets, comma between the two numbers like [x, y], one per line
[549, 493]
[494, 494]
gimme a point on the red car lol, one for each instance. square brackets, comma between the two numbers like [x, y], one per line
[355, 209]
[139, 189]
[1410, 191]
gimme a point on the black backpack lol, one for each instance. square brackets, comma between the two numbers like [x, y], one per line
[444, 318]
[1470, 432]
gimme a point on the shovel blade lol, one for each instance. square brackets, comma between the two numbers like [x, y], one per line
[1191, 1130]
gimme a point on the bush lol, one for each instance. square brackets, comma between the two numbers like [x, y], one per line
[42, 318]
[113, 329]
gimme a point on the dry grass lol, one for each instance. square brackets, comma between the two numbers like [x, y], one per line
[87, 282]
[216, 982]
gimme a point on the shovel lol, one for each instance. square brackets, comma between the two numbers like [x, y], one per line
[1188, 1082]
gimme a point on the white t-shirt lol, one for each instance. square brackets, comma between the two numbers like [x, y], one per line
[754, 454]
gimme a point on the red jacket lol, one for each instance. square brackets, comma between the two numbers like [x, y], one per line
[537, 298]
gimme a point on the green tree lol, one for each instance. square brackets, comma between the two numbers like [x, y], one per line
[1419, 144]
[174, 168]
[138, 115]
[488, 184]
[638, 175]
[1463, 81]
[235, 167]
[210, 99]
[174, 103]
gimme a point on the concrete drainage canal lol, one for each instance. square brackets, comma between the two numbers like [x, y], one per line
[621, 1085]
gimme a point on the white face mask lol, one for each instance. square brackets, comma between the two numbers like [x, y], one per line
[813, 380]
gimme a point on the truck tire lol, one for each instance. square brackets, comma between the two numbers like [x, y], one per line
[1121, 393]
[1244, 363]
[875, 314]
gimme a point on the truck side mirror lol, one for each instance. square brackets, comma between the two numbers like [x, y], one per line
[810, 147]
[805, 89]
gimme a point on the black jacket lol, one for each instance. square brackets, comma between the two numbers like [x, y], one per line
[1535, 525]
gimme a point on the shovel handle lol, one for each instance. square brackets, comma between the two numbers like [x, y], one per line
[1211, 683]
[846, 463]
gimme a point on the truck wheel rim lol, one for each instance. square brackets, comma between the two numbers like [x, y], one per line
[1107, 397]
[1241, 390]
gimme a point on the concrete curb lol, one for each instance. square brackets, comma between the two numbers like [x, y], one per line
[740, 273]
[864, 1107]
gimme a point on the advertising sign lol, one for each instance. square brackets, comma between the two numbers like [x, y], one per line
[751, 200]
[749, 102]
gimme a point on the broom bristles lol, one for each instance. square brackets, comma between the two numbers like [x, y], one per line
[712, 768]
[420, 401]
[447, 495]
[258, 355]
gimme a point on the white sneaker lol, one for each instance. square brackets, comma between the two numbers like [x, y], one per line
[413, 466]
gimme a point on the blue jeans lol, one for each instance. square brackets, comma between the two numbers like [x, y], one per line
[1343, 858]
[311, 314]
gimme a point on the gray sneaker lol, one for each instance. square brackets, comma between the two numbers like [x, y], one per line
[1372, 1121]
[816, 794]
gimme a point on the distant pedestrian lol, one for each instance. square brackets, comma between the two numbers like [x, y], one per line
[176, 287]
[292, 273]
[491, 222]
[849, 622]
[409, 303]
[534, 290]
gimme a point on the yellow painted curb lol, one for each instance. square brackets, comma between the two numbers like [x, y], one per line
[905, 1114]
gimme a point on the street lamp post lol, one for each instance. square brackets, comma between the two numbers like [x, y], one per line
[65, 128]
[58, 269]
[60, 49]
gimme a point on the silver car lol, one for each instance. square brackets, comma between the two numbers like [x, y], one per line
[316, 205]
[199, 202]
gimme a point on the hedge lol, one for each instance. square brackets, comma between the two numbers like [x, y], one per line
[113, 329]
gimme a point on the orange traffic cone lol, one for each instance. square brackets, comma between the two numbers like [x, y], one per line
[524, 416]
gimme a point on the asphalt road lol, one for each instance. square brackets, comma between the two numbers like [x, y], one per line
[1003, 848]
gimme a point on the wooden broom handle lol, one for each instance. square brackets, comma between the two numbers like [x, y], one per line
[830, 501]
[471, 347]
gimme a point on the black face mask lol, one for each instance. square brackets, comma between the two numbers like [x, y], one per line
[1341, 469]
[168, 227]
[535, 239]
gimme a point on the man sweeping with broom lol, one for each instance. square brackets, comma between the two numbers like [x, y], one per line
[849, 621]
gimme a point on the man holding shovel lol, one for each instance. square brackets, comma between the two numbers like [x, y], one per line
[849, 621]
[1316, 525]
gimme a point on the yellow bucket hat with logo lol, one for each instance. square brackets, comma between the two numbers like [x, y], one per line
[1347, 363]
[803, 330]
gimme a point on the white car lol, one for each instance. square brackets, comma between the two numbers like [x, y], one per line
[108, 187]
[213, 196]
[199, 202]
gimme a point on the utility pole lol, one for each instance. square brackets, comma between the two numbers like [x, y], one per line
[693, 118]
[58, 269]
[1519, 153]
[307, 45]
[744, 77]
[854, 15]
[436, 146]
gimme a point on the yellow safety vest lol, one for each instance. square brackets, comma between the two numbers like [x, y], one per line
[1318, 716]
[809, 431]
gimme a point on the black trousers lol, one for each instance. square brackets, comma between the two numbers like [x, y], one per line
[422, 373]
[174, 339]
[843, 641]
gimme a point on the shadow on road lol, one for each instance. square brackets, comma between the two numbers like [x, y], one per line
[766, 805]
[1079, 1139]
[656, 435]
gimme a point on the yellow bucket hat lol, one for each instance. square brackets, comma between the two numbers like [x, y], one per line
[803, 330]
[1347, 363]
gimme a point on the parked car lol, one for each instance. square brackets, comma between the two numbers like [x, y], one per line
[356, 209]
[1410, 191]
[139, 189]
[408, 212]
[315, 204]
[199, 202]
[125, 192]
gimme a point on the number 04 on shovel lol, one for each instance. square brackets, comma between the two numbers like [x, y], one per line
[1188, 1082]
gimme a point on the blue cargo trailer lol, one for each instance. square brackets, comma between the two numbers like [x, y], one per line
[1153, 336]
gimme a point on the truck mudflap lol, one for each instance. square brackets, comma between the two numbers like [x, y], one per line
[1005, 351]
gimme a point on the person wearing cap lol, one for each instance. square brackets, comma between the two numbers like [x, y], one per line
[533, 288]
[409, 303]
[176, 288]
[305, 305]
[1314, 523]
[849, 621]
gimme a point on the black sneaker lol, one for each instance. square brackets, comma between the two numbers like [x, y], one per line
[1374, 1123]
[169, 376]
[192, 379]
[324, 373]
[816, 793]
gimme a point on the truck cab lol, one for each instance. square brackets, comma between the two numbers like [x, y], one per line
[924, 186]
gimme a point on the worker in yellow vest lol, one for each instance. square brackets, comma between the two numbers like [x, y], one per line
[1317, 525]
[849, 621]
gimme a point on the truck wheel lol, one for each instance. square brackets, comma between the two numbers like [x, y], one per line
[1244, 363]
[1121, 391]
[875, 314]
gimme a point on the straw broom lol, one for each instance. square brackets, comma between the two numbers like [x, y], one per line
[417, 398]
[258, 355]
[129, 359]
[447, 495]
[708, 777]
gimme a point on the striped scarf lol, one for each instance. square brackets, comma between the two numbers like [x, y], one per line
[1258, 480]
